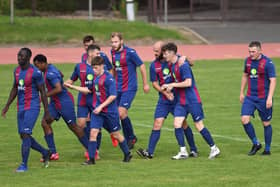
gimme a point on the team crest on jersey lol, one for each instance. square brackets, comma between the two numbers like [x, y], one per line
[90, 77]
[96, 87]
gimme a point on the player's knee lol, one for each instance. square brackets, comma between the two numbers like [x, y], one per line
[157, 124]
[266, 123]
[199, 126]
[122, 113]
[245, 120]
[24, 135]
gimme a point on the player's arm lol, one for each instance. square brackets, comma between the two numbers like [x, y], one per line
[44, 100]
[108, 101]
[83, 90]
[186, 83]
[272, 86]
[13, 95]
[69, 81]
[146, 86]
[167, 94]
[182, 59]
[244, 81]
[57, 89]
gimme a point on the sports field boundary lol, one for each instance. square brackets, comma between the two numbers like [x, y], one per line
[195, 52]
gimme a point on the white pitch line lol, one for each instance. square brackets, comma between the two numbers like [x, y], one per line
[214, 135]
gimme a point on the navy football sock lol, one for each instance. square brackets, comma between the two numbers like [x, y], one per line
[207, 136]
[36, 146]
[154, 137]
[92, 149]
[126, 124]
[84, 141]
[124, 147]
[179, 133]
[189, 136]
[98, 139]
[249, 129]
[267, 137]
[87, 129]
[25, 149]
[50, 141]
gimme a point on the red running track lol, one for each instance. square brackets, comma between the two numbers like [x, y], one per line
[195, 52]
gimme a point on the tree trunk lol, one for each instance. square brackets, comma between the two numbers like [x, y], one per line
[34, 6]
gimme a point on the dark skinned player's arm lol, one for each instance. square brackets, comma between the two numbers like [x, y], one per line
[13, 95]
[57, 89]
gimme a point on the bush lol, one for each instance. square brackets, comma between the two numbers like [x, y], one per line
[4, 7]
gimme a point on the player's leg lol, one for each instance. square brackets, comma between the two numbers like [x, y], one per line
[161, 112]
[96, 123]
[124, 102]
[190, 139]
[48, 131]
[198, 116]
[266, 116]
[179, 116]
[123, 145]
[247, 110]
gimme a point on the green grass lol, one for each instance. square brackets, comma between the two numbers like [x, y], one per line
[41, 30]
[218, 83]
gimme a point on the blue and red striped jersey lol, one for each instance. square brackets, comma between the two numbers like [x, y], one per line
[160, 71]
[27, 82]
[85, 74]
[52, 76]
[187, 95]
[259, 72]
[107, 64]
[125, 63]
[104, 86]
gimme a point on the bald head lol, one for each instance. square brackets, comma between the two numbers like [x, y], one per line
[157, 49]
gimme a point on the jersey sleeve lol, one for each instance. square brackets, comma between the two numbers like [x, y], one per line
[75, 73]
[106, 61]
[53, 78]
[185, 71]
[270, 69]
[153, 75]
[135, 58]
[111, 85]
[38, 77]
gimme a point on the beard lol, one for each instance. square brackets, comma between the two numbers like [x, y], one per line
[117, 48]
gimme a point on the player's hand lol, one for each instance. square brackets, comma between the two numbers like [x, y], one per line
[97, 110]
[169, 95]
[4, 111]
[269, 103]
[68, 85]
[146, 88]
[241, 98]
[48, 117]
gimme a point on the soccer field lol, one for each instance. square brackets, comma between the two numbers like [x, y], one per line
[219, 86]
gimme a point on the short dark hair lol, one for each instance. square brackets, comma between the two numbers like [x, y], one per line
[28, 51]
[88, 38]
[40, 58]
[93, 47]
[97, 61]
[169, 47]
[117, 34]
[255, 44]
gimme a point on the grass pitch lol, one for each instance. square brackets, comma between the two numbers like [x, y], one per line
[218, 83]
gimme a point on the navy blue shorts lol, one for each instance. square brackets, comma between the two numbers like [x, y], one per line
[67, 113]
[194, 109]
[26, 120]
[163, 109]
[124, 99]
[110, 122]
[83, 111]
[249, 106]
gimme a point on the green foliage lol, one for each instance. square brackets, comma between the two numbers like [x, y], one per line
[56, 31]
[218, 84]
[4, 7]
[49, 5]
